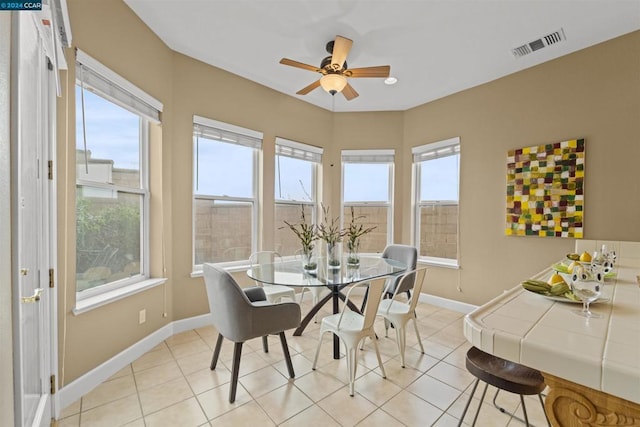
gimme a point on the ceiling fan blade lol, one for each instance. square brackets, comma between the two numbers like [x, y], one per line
[379, 71]
[307, 89]
[349, 92]
[297, 64]
[341, 48]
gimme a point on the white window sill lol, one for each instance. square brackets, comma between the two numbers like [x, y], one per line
[231, 268]
[88, 304]
[440, 262]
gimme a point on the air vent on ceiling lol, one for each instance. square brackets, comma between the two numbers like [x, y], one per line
[538, 44]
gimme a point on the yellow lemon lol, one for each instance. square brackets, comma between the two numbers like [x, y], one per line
[555, 278]
[585, 257]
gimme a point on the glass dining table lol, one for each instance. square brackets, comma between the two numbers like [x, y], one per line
[291, 273]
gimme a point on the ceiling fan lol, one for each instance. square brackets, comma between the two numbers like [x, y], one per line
[335, 72]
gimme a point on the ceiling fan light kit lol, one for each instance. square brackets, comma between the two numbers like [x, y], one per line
[334, 70]
[333, 83]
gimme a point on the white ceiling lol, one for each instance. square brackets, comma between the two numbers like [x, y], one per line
[435, 47]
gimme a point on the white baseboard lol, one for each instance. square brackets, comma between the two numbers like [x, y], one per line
[87, 382]
[449, 304]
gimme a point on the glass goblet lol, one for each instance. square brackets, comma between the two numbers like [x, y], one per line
[587, 285]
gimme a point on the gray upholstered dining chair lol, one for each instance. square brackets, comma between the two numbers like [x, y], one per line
[240, 315]
[407, 255]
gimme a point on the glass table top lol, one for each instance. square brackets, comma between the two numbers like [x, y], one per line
[291, 273]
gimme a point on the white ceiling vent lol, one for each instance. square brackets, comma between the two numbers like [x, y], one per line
[538, 44]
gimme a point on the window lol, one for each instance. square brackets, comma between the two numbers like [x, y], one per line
[296, 177]
[367, 186]
[225, 203]
[112, 191]
[437, 171]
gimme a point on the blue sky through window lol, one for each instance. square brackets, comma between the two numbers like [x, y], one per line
[223, 169]
[293, 179]
[366, 182]
[112, 132]
[439, 179]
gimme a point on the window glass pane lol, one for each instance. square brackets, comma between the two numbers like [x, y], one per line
[439, 178]
[366, 182]
[223, 169]
[223, 230]
[113, 142]
[439, 230]
[285, 240]
[371, 216]
[108, 231]
[294, 179]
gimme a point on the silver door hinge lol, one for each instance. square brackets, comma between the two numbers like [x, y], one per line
[50, 166]
[51, 283]
[53, 384]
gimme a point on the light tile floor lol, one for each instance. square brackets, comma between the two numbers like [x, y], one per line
[172, 385]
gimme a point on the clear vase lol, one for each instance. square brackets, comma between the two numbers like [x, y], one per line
[309, 260]
[353, 256]
[333, 255]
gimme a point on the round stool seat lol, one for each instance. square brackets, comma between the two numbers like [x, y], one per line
[503, 374]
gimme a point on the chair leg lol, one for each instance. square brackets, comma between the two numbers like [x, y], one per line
[543, 410]
[401, 339]
[415, 326]
[386, 327]
[351, 368]
[514, 416]
[265, 344]
[466, 407]
[524, 410]
[315, 359]
[216, 352]
[375, 345]
[237, 351]
[287, 356]
[484, 392]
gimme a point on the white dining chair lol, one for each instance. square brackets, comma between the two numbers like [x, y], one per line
[352, 328]
[398, 313]
[266, 260]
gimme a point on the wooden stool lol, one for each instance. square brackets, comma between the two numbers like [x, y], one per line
[504, 375]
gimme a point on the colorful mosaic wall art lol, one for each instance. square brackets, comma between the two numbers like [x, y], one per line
[545, 190]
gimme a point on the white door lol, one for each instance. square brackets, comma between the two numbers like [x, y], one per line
[31, 104]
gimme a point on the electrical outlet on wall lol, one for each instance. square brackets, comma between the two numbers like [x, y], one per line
[142, 316]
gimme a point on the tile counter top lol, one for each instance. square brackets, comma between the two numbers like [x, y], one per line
[602, 354]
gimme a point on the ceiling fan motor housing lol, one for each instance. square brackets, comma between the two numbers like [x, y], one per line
[328, 66]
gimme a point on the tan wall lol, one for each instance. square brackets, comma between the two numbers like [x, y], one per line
[113, 35]
[593, 94]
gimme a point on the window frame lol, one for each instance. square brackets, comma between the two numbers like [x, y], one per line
[420, 155]
[370, 156]
[303, 152]
[120, 92]
[214, 125]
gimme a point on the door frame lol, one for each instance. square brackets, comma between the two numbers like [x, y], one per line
[6, 319]
[47, 246]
